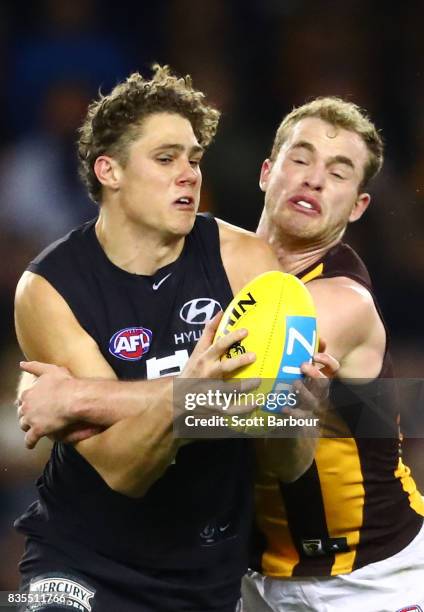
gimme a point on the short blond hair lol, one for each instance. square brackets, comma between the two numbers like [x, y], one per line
[342, 114]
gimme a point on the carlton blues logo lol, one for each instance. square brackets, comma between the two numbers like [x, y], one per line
[131, 343]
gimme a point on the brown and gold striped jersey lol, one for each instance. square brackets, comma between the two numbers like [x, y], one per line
[357, 503]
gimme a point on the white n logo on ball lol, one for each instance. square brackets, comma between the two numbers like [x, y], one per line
[294, 337]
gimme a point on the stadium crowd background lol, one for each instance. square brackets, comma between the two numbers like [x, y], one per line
[255, 59]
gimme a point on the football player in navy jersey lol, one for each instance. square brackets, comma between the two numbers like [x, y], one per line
[128, 516]
[338, 535]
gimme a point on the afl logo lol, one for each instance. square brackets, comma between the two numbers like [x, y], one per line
[411, 609]
[131, 343]
[199, 311]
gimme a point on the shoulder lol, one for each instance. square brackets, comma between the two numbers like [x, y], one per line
[42, 316]
[48, 331]
[348, 319]
[36, 303]
[227, 231]
[37, 300]
[342, 261]
[50, 268]
[346, 302]
[248, 243]
[31, 289]
[63, 249]
[342, 290]
[244, 254]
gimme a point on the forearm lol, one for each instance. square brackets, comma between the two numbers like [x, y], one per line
[133, 453]
[106, 402]
[70, 409]
[285, 458]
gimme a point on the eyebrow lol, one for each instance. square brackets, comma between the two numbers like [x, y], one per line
[179, 148]
[336, 159]
[342, 159]
[303, 144]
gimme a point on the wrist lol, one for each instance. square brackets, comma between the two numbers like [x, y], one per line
[77, 401]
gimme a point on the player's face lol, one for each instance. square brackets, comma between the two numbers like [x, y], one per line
[159, 187]
[312, 188]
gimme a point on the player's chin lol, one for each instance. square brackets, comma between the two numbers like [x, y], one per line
[183, 222]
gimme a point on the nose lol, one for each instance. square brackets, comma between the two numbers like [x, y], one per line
[314, 177]
[187, 174]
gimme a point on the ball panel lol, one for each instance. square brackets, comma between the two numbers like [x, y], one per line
[279, 313]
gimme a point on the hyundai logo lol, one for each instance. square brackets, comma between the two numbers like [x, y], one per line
[199, 311]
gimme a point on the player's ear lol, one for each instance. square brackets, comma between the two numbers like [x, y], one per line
[362, 202]
[265, 172]
[108, 171]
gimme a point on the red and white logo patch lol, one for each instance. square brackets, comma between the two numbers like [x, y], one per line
[130, 343]
[411, 609]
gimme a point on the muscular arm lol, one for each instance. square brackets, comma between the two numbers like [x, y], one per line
[351, 326]
[134, 452]
[245, 256]
[289, 458]
[48, 331]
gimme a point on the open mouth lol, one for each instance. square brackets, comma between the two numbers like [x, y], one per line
[306, 204]
[185, 202]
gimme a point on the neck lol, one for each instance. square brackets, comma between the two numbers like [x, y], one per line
[294, 254]
[134, 248]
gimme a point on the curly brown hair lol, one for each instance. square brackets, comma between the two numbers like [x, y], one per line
[113, 121]
[342, 114]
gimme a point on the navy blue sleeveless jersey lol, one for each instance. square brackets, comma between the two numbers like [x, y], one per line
[188, 534]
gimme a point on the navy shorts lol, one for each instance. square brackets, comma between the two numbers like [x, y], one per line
[58, 583]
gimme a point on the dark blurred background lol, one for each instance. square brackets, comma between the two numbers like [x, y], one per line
[255, 59]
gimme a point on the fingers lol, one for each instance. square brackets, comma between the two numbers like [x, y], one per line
[223, 343]
[241, 409]
[213, 324]
[246, 384]
[206, 360]
[209, 332]
[305, 398]
[313, 390]
[315, 380]
[329, 363]
[228, 366]
[23, 424]
[21, 412]
[36, 367]
[311, 370]
[31, 438]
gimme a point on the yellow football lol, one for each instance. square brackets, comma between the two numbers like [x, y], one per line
[279, 314]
